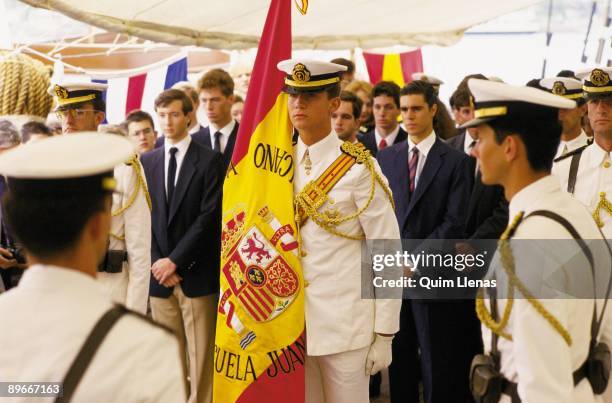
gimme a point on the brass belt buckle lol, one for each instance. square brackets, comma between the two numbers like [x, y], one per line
[313, 195]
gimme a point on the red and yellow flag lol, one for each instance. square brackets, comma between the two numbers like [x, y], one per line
[260, 346]
[396, 67]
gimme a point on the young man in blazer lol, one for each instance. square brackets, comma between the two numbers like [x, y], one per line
[216, 94]
[216, 89]
[431, 185]
[387, 131]
[185, 181]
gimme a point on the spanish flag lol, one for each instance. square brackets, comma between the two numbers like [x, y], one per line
[396, 67]
[260, 345]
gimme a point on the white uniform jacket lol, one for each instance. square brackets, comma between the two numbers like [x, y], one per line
[594, 176]
[538, 358]
[131, 286]
[45, 321]
[337, 318]
[567, 146]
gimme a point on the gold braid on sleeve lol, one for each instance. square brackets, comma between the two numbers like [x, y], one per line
[134, 162]
[507, 261]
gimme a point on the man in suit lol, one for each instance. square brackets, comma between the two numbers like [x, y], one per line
[387, 130]
[487, 213]
[185, 180]
[217, 96]
[431, 185]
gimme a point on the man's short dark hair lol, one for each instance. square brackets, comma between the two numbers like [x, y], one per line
[49, 226]
[387, 88]
[423, 88]
[217, 78]
[137, 116]
[33, 127]
[350, 66]
[540, 136]
[355, 102]
[460, 98]
[169, 96]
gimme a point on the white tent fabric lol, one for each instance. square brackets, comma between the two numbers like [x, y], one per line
[328, 24]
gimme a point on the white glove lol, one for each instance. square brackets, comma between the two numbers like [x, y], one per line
[379, 355]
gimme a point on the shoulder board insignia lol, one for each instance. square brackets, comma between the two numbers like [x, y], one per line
[579, 150]
[356, 150]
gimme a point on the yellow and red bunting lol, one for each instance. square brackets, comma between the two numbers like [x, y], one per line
[396, 67]
[260, 346]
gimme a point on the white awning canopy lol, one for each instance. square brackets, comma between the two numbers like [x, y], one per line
[328, 24]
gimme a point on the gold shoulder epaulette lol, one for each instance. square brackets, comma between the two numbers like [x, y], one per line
[573, 152]
[356, 150]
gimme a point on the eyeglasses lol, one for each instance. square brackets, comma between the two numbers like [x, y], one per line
[76, 114]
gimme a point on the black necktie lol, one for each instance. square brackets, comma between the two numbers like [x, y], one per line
[217, 146]
[171, 174]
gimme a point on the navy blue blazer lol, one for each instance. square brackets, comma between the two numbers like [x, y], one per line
[487, 213]
[188, 229]
[437, 208]
[202, 136]
[369, 140]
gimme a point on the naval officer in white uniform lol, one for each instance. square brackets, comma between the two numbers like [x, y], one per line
[348, 337]
[58, 205]
[541, 342]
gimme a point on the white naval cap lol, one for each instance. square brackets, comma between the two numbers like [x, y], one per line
[494, 100]
[596, 82]
[308, 75]
[68, 164]
[435, 81]
[74, 93]
[566, 87]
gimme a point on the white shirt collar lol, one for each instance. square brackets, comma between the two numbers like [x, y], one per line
[467, 143]
[59, 279]
[225, 130]
[390, 139]
[599, 154]
[530, 195]
[318, 150]
[579, 141]
[424, 146]
[182, 145]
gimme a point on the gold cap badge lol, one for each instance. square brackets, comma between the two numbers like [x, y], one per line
[599, 78]
[300, 73]
[60, 92]
[558, 88]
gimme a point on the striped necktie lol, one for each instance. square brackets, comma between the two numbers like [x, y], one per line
[412, 168]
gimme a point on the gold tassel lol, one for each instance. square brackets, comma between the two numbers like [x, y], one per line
[303, 8]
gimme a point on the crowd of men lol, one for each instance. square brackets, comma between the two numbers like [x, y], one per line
[484, 174]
